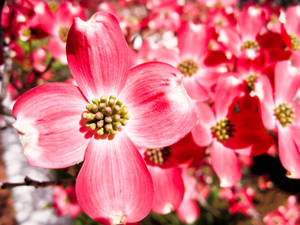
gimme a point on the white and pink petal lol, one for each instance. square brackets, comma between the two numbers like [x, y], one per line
[168, 188]
[160, 110]
[288, 152]
[225, 163]
[114, 184]
[98, 55]
[48, 119]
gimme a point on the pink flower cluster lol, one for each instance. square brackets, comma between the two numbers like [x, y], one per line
[158, 87]
[239, 200]
[284, 215]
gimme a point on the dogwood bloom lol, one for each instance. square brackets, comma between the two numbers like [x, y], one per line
[113, 109]
[280, 113]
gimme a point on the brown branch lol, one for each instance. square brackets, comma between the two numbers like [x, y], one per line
[31, 182]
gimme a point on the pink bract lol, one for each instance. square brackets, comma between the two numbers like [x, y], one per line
[286, 85]
[114, 184]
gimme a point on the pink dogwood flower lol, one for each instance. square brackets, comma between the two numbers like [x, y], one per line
[113, 109]
[280, 113]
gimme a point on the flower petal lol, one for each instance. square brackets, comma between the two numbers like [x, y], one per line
[287, 82]
[288, 152]
[225, 163]
[193, 40]
[48, 120]
[195, 89]
[228, 88]
[114, 183]
[98, 55]
[186, 151]
[265, 94]
[202, 131]
[188, 211]
[168, 189]
[161, 111]
[57, 48]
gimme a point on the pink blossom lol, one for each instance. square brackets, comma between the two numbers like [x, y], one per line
[59, 25]
[64, 201]
[114, 109]
[284, 215]
[280, 113]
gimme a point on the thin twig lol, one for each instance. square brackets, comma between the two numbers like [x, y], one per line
[31, 182]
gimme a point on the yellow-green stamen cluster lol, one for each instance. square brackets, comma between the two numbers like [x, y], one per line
[157, 156]
[53, 5]
[284, 114]
[223, 130]
[188, 67]
[26, 32]
[250, 45]
[250, 81]
[63, 33]
[106, 116]
[295, 43]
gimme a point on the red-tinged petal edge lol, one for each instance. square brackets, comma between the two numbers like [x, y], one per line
[48, 121]
[114, 184]
[98, 55]
[168, 189]
[288, 152]
[188, 211]
[160, 110]
[225, 163]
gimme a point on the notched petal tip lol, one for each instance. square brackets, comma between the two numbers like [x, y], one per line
[118, 218]
[102, 16]
[168, 208]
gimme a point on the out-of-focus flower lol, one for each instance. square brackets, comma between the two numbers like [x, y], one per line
[59, 25]
[284, 215]
[65, 202]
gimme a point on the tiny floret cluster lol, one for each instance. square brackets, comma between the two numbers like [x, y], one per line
[106, 116]
[63, 33]
[188, 67]
[158, 156]
[250, 45]
[295, 43]
[250, 81]
[284, 114]
[223, 130]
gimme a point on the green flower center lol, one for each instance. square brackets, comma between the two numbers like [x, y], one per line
[250, 81]
[284, 114]
[295, 42]
[223, 130]
[188, 67]
[53, 5]
[26, 32]
[157, 156]
[106, 116]
[250, 44]
[63, 33]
